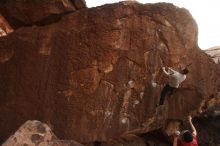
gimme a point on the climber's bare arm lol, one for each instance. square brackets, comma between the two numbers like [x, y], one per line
[165, 72]
[192, 126]
[171, 70]
[175, 141]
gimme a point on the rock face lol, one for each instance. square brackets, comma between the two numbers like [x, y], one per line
[214, 53]
[31, 133]
[35, 133]
[96, 73]
[65, 143]
[150, 139]
[207, 123]
[38, 12]
[208, 130]
[5, 28]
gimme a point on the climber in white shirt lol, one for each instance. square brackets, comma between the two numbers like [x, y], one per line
[175, 78]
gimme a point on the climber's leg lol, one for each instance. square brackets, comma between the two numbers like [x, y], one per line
[172, 89]
[167, 89]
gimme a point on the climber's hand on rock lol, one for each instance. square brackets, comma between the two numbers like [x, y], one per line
[176, 133]
[190, 118]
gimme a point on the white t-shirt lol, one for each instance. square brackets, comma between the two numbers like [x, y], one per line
[175, 78]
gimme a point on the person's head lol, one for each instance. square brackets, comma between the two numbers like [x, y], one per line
[185, 71]
[187, 136]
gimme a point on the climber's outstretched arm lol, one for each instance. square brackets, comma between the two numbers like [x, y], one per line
[165, 72]
[175, 140]
[192, 126]
[171, 70]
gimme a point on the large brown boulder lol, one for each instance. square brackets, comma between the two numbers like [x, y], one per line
[5, 28]
[214, 52]
[79, 4]
[31, 133]
[36, 133]
[96, 74]
[207, 123]
[65, 143]
[21, 13]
